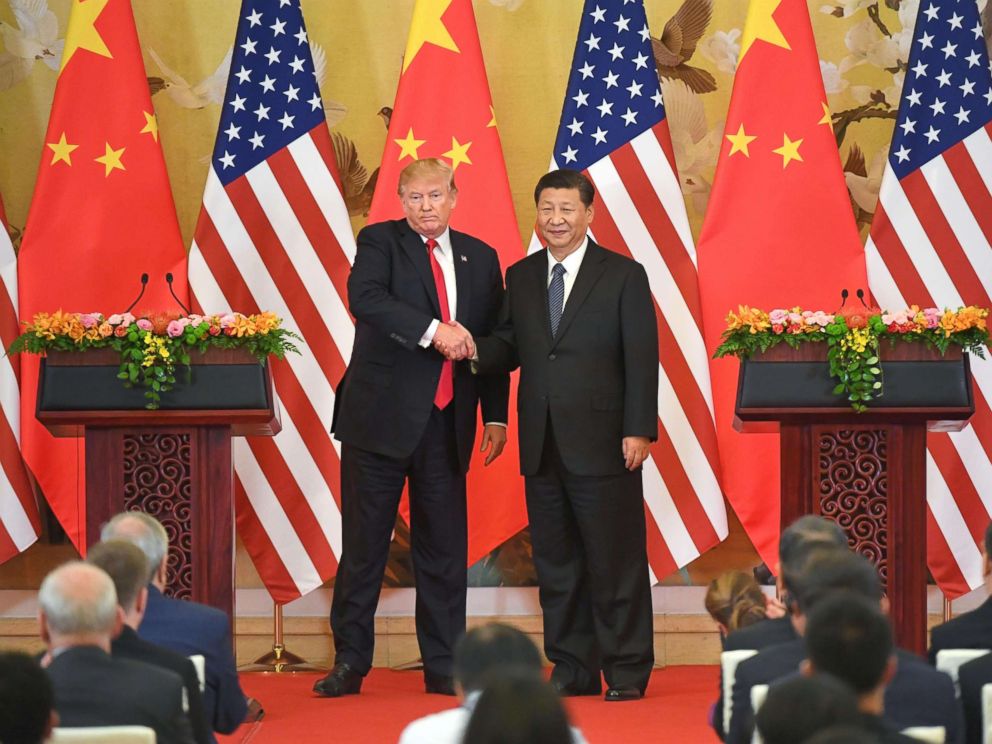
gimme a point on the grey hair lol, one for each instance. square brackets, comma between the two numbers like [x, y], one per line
[150, 536]
[78, 598]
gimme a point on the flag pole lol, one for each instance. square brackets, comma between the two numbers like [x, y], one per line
[280, 660]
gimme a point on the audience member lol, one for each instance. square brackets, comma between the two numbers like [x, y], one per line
[843, 735]
[970, 629]
[803, 536]
[972, 676]
[27, 713]
[480, 653]
[918, 696]
[78, 615]
[848, 637]
[734, 600]
[128, 569]
[518, 707]
[797, 708]
[185, 627]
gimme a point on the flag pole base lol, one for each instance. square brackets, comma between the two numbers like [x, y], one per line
[280, 660]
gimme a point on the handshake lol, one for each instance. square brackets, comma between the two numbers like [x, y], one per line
[454, 341]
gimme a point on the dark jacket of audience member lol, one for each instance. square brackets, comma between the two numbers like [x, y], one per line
[516, 707]
[967, 630]
[26, 700]
[972, 676]
[801, 706]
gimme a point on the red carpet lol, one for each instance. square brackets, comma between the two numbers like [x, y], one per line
[674, 709]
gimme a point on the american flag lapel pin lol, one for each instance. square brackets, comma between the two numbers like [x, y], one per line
[463, 257]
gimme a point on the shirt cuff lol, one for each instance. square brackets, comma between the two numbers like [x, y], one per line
[428, 336]
[495, 423]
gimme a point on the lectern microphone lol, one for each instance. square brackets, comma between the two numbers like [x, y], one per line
[843, 296]
[144, 283]
[168, 280]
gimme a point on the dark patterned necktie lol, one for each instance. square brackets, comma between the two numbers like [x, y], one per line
[556, 296]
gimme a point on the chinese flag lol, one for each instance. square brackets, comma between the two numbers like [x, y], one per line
[102, 215]
[779, 230]
[443, 109]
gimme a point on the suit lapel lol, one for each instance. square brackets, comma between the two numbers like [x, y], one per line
[416, 250]
[540, 279]
[589, 272]
[463, 279]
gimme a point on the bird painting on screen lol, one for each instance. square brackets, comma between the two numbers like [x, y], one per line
[677, 44]
[36, 38]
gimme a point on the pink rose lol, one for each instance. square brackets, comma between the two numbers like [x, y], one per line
[932, 316]
[175, 328]
[778, 317]
[226, 321]
[90, 320]
[144, 324]
[820, 318]
[795, 318]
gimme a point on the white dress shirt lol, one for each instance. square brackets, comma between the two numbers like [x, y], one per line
[571, 263]
[446, 259]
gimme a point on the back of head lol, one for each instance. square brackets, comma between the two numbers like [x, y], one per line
[26, 699]
[828, 570]
[806, 534]
[491, 647]
[142, 530]
[518, 707]
[734, 600]
[78, 598]
[799, 707]
[126, 565]
[849, 637]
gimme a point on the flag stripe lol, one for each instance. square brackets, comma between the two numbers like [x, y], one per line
[978, 203]
[941, 560]
[947, 459]
[263, 551]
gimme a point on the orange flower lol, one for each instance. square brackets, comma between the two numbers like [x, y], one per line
[105, 329]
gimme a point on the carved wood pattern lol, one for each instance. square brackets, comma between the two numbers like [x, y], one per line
[157, 480]
[853, 479]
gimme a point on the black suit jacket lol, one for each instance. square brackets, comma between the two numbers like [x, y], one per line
[130, 646]
[597, 378]
[191, 628]
[918, 695]
[387, 393]
[970, 630]
[971, 677]
[93, 688]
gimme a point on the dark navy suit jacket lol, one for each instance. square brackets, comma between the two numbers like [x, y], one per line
[970, 630]
[971, 677]
[192, 628]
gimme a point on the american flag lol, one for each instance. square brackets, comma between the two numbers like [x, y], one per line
[613, 128]
[19, 522]
[930, 245]
[274, 234]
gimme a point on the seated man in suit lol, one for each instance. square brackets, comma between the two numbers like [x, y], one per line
[78, 615]
[848, 637]
[479, 654]
[128, 569]
[971, 629]
[798, 540]
[972, 676]
[27, 712]
[798, 708]
[184, 627]
[919, 695]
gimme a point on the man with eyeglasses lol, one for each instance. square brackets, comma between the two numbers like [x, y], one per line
[405, 414]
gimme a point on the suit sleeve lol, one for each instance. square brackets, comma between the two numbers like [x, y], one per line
[639, 329]
[178, 724]
[197, 715]
[971, 680]
[230, 707]
[498, 351]
[494, 387]
[370, 300]
[741, 716]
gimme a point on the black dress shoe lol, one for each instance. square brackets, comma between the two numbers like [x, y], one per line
[566, 690]
[620, 694]
[438, 684]
[343, 679]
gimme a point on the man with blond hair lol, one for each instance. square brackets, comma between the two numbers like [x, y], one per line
[404, 414]
[79, 615]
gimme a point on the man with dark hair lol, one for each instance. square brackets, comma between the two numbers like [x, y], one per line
[78, 614]
[128, 569]
[970, 629]
[848, 637]
[804, 536]
[27, 712]
[918, 696]
[579, 322]
[797, 708]
[479, 654]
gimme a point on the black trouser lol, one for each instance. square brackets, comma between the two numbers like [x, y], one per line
[371, 486]
[591, 559]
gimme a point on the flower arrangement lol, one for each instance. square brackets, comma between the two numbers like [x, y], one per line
[153, 344]
[853, 336]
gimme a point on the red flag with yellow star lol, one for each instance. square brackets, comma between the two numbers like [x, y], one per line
[444, 109]
[102, 215]
[779, 230]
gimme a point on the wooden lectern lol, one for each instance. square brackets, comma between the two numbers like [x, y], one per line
[173, 463]
[866, 471]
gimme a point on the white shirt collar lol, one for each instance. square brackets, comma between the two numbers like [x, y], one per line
[572, 261]
[443, 241]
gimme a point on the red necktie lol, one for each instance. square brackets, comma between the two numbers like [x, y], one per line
[446, 385]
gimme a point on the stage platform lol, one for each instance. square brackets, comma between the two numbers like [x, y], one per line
[674, 710]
